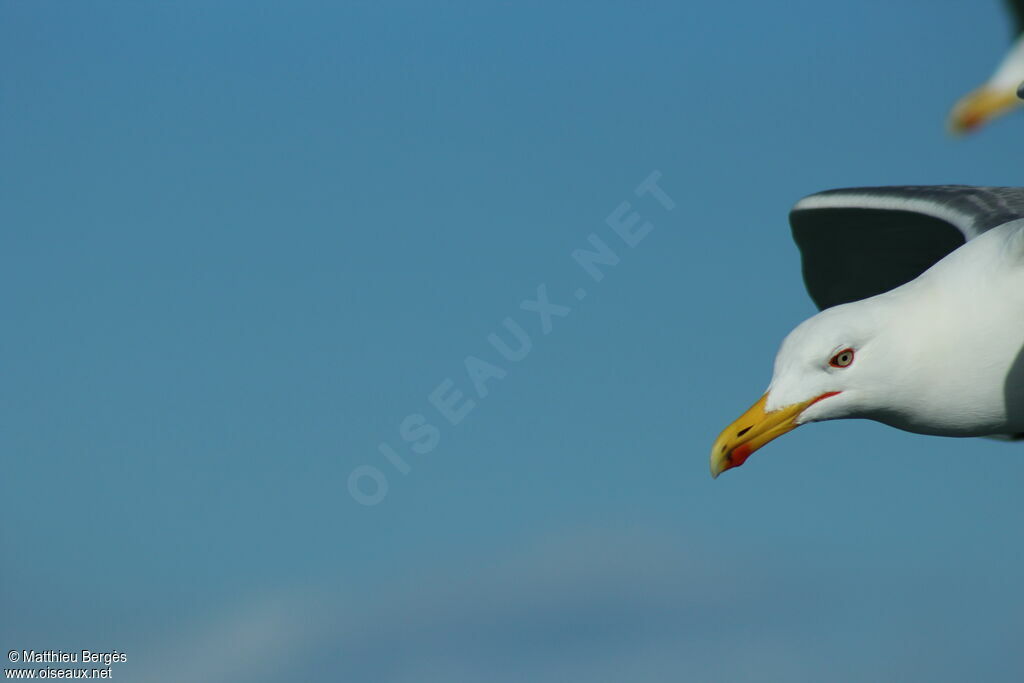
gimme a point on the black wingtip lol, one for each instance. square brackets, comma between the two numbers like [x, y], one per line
[1020, 91]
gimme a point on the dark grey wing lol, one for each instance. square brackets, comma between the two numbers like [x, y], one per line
[1016, 10]
[863, 241]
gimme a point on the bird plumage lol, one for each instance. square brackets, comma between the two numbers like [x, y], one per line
[998, 95]
[858, 242]
[941, 352]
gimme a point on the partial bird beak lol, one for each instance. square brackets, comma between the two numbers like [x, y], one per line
[754, 429]
[980, 107]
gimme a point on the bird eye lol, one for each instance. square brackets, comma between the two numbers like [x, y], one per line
[842, 359]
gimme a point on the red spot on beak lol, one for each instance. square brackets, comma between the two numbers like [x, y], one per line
[971, 121]
[739, 455]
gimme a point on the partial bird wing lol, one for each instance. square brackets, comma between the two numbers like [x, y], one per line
[859, 242]
[1016, 10]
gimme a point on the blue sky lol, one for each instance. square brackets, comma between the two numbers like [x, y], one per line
[244, 241]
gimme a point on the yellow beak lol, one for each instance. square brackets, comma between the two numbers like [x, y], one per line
[979, 107]
[754, 429]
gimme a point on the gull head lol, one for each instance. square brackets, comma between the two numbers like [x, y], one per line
[996, 97]
[942, 355]
[832, 366]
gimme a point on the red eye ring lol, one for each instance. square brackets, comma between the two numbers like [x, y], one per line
[843, 359]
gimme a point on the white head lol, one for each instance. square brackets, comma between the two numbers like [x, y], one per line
[919, 358]
[998, 96]
[830, 366]
[833, 363]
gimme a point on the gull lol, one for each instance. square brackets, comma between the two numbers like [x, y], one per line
[921, 291]
[999, 94]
